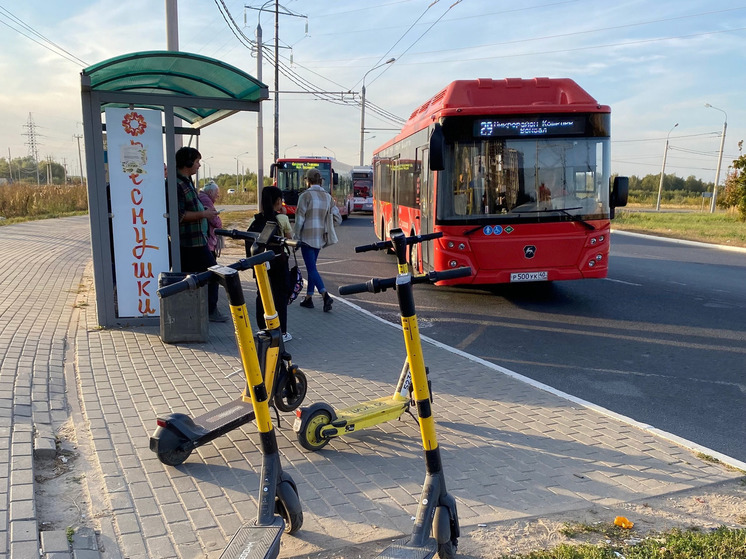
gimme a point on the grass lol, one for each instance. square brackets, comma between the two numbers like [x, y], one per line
[676, 544]
[722, 228]
[24, 202]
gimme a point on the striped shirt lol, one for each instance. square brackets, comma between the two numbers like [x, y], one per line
[310, 216]
[191, 233]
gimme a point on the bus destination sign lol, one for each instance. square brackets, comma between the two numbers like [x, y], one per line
[556, 125]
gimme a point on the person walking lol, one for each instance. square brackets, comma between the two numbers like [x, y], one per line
[315, 217]
[193, 218]
[272, 210]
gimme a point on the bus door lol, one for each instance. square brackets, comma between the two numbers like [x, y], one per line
[395, 204]
[426, 209]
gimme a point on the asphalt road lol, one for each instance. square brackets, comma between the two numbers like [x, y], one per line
[662, 340]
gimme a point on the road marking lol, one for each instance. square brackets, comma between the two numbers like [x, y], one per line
[691, 445]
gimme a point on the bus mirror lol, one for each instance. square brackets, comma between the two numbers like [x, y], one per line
[335, 178]
[272, 169]
[437, 148]
[619, 192]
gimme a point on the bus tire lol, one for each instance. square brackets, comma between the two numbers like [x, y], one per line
[414, 257]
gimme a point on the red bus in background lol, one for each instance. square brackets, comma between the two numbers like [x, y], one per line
[336, 180]
[362, 189]
[516, 175]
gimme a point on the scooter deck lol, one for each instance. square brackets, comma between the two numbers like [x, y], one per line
[401, 550]
[222, 419]
[255, 542]
[372, 412]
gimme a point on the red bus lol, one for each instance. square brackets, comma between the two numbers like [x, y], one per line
[516, 174]
[337, 181]
[362, 189]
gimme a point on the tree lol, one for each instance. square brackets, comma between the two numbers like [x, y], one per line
[735, 186]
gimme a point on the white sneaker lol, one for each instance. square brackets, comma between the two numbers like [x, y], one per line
[286, 337]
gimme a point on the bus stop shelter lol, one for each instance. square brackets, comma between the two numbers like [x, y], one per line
[134, 236]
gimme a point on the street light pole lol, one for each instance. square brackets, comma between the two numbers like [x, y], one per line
[720, 158]
[285, 153]
[236, 158]
[362, 109]
[331, 150]
[663, 170]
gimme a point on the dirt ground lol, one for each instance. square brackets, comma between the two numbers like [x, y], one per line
[704, 509]
[63, 501]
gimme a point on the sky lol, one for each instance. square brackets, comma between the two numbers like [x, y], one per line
[655, 63]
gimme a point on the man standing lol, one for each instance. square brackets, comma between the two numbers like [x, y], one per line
[193, 217]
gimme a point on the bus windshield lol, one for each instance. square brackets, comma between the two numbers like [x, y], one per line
[290, 175]
[543, 178]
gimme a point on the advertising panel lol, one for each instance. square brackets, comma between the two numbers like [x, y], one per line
[138, 204]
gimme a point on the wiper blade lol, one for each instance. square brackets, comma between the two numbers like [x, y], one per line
[565, 211]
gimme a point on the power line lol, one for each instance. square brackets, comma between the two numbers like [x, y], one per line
[15, 20]
[304, 84]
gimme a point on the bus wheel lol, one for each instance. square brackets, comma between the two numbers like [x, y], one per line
[414, 257]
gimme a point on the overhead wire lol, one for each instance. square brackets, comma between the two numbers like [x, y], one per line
[304, 84]
[67, 55]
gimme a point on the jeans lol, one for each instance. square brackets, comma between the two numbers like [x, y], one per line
[310, 255]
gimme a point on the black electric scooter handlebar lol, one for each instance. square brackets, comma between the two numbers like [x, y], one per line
[382, 245]
[253, 236]
[194, 281]
[376, 285]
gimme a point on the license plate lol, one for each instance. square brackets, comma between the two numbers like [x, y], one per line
[296, 425]
[529, 276]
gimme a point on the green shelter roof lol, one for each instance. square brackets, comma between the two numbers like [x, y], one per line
[181, 76]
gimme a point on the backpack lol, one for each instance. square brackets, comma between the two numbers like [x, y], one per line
[257, 226]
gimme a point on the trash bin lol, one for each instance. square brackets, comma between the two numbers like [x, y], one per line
[183, 315]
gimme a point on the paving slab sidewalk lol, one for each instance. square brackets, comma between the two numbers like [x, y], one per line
[510, 449]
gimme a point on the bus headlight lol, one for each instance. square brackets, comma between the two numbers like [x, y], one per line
[461, 246]
[450, 244]
[453, 263]
[591, 263]
[599, 257]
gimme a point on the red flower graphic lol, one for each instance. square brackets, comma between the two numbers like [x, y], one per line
[134, 124]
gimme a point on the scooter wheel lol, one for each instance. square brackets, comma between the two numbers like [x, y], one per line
[176, 455]
[308, 436]
[290, 394]
[447, 550]
[287, 505]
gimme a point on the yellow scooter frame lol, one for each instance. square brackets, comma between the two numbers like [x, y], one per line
[436, 528]
[277, 491]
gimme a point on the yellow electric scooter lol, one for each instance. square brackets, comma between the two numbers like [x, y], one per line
[279, 506]
[177, 434]
[436, 528]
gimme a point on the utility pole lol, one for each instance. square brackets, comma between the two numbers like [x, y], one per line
[277, 80]
[10, 166]
[80, 157]
[259, 60]
[663, 170]
[713, 203]
[259, 125]
[172, 43]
